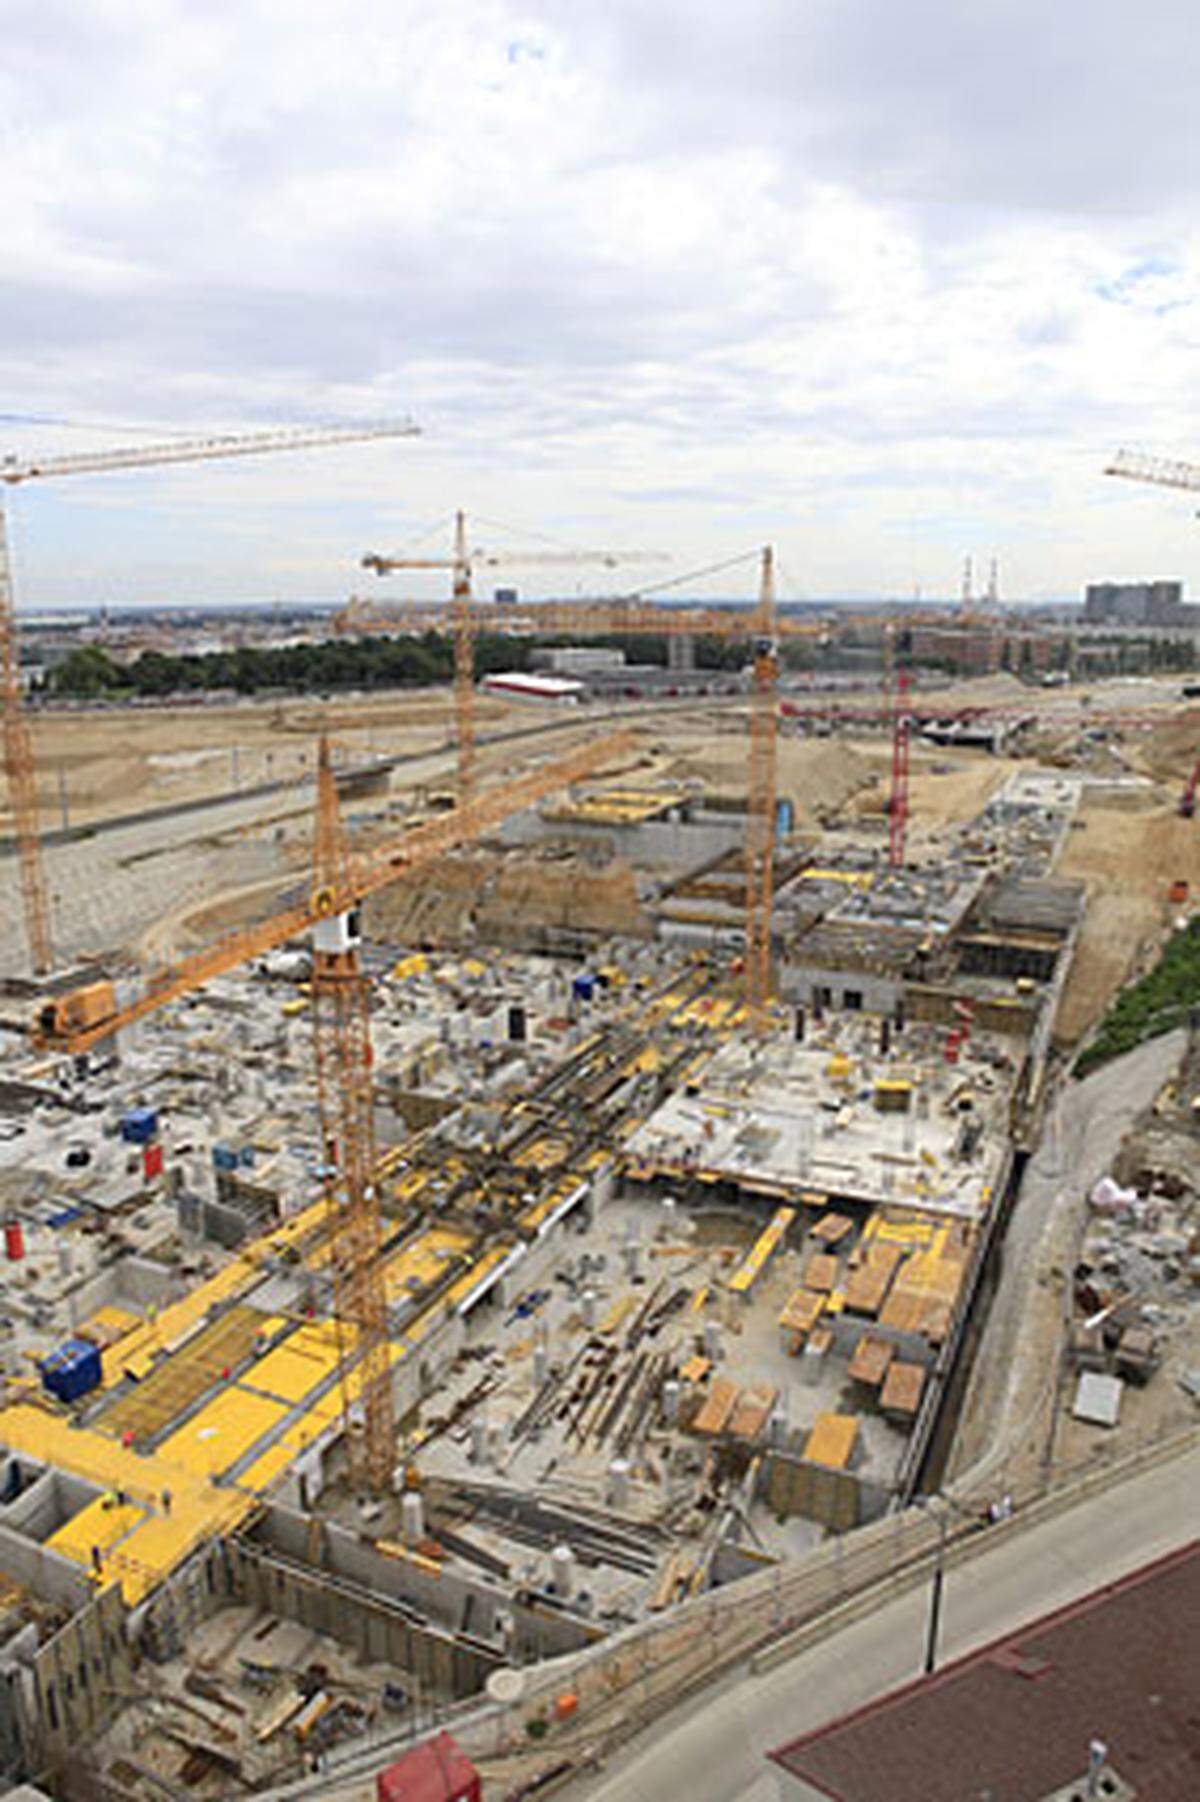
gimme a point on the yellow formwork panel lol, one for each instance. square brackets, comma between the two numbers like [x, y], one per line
[482, 1267]
[849, 878]
[287, 1236]
[410, 1184]
[417, 1329]
[151, 1550]
[313, 1422]
[541, 1210]
[97, 1525]
[164, 1541]
[267, 1469]
[222, 1432]
[176, 1383]
[753, 1264]
[905, 1233]
[423, 1260]
[295, 1368]
[541, 1154]
[161, 1331]
[110, 1324]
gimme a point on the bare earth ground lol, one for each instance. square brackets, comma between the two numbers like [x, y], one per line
[1128, 860]
[117, 759]
[1008, 1410]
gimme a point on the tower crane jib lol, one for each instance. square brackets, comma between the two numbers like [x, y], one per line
[18, 742]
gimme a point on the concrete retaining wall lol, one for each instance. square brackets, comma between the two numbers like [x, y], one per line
[654, 845]
[448, 1601]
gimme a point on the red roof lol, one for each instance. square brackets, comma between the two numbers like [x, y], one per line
[1015, 1718]
[434, 1772]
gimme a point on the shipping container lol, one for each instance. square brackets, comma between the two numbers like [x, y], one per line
[437, 1771]
[73, 1370]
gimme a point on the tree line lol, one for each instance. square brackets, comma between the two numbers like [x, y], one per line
[91, 673]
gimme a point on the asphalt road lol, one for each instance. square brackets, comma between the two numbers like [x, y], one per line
[712, 1749]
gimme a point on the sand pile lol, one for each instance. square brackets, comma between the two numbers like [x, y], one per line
[508, 900]
[816, 775]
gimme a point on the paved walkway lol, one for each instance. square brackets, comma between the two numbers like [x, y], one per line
[713, 1749]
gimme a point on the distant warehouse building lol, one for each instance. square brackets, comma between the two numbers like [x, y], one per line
[577, 659]
[1135, 604]
[516, 684]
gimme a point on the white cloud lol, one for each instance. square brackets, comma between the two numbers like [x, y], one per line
[884, 281]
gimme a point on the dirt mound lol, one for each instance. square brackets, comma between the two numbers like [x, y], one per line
[1169, 751]
[511, 901]
[817, 776]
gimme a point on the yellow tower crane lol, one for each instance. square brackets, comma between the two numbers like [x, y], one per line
[462, 562]
[342, 881]
[18, 744]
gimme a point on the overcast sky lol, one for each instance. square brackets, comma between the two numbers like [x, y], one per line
[884, 281]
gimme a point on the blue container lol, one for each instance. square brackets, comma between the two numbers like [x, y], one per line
[583, 987]
[784, 817]
[73, 1370]
[139, 1125]
[224, 1157]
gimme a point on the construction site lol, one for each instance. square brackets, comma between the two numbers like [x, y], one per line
[478, 1176]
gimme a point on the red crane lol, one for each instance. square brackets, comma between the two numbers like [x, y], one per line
[1187, 800]
[898, 803]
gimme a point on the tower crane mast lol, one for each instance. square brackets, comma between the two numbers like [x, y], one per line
[465, 615]
[341, 1032]
[342, 1054]
[18, 742]
[761, 799]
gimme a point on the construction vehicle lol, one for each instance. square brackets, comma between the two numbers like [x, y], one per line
[18, 744]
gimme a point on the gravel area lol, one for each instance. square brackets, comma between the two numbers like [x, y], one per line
[1008, 1409]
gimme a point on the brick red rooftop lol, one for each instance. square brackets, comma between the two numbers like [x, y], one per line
[1016, 1717]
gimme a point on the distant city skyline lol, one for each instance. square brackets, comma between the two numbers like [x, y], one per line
[882, 284]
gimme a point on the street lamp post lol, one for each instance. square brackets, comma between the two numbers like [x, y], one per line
[934, 1622]
[935, 1597]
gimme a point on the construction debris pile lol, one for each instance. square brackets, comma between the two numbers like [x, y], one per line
[1134, 1351]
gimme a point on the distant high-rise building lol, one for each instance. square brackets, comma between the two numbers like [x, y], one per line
[1135, 604]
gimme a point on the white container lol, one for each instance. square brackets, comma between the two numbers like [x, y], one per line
[412, 1514]
[618, 1483]
[562, 1572]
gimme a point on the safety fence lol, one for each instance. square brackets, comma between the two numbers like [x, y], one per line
[567, 1712]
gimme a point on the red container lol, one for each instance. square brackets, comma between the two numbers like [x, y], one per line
[14, 1241]
[435, 1772]
[152, 1161]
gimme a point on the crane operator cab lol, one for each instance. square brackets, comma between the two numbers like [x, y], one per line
[335, 934]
